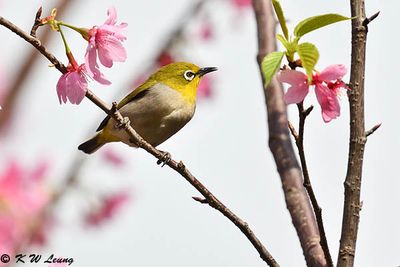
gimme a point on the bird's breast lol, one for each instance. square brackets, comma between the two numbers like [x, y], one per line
[159, 114]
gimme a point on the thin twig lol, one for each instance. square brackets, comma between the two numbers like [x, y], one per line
[140, 142]
[372, 130]
[36, 23]
[358, 138]
[200, 200]
[303, 113]
[296, 197]
[370, 19]
[293, 130]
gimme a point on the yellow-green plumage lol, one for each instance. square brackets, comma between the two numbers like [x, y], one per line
[157, 109]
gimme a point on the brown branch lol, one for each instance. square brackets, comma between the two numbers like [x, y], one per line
[293, 130]
[296, 197]
[36, 23]
[299, 139]
[140, 142]
[370, 19]
[358, 138]
[200, 200]
[372, 130]
[16, 87]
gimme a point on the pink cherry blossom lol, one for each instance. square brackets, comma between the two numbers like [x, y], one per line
[327, 85]
[23, 200]
[72, 85]
[105, 42]
[109, 206]
[113, 157]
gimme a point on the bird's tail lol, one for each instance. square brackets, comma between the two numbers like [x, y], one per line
[92, 144]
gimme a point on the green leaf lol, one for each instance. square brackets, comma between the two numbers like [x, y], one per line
[316, 22]
[270, 65]
[283, 41]
[281, 17]
[309, 56]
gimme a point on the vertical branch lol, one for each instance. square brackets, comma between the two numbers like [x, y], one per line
[358, 136]
[299, 138]
[27, 66]
[296, 197]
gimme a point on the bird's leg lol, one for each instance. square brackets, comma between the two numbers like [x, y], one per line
[123, 124]
[165, 158]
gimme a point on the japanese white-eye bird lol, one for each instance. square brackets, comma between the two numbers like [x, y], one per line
[157, 109]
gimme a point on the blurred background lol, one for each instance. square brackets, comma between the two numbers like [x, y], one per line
[117, 207]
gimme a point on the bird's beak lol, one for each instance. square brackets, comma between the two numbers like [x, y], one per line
[204, 71]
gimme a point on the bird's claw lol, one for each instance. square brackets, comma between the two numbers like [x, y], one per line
[121, 125]
[164, 159]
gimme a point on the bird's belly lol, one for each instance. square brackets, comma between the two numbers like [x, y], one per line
[155, 118]
[156, 129]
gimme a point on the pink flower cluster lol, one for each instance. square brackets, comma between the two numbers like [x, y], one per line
[109, 206]
[328, 84]
[113, 157]
[22, 202]
[105, 44]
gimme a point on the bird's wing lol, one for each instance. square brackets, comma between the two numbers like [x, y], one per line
[136, 94]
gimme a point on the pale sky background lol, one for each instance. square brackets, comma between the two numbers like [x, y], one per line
[225, 145]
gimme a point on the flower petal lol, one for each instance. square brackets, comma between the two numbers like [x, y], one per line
[62, 88]
[116, 31]
[112, 16]
[92, 68]
[104, 57]
[100, 78]
[81, 88]
[292, 77]
[110, 51]
[296, 94]
[333, 72]
[328, 101]
[115, 50]
[71, 84]
[76, 87]
[90, 59]
[299, 86]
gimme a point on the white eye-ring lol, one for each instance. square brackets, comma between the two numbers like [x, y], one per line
[189, 75]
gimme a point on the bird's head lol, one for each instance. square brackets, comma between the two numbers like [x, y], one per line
[183, 77]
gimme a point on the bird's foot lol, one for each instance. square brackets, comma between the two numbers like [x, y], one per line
[121, 125]
[164, 159]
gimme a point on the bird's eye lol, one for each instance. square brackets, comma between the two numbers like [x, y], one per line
[189, 75]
